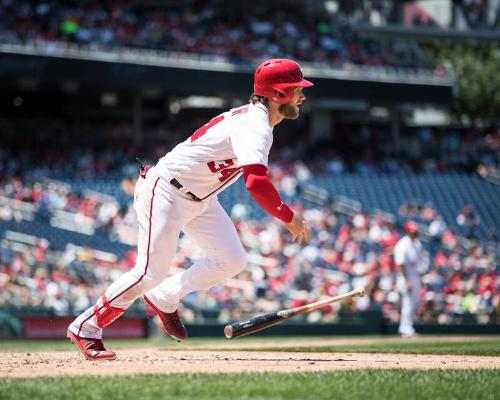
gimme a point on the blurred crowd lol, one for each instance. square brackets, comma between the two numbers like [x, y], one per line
[34, 277]
[460, 284]
[75, 158]
[212, 28]
[362, 149]
[367, 150]
[348, 250]
[460, 275]
[356, 250]
[469, 14]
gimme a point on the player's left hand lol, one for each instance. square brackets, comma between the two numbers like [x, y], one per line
[299, 230]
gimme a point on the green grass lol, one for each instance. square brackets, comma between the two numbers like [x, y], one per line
[364, 384]
[65, 344]
[166, 343]
[409, 347]
[486, 346]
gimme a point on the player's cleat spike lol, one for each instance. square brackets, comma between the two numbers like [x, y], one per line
[172, 323]
[92, 349]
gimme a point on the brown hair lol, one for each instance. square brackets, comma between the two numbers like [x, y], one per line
[258, 99]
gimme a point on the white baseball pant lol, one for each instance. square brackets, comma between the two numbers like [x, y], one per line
[163, 212]
[409, 305]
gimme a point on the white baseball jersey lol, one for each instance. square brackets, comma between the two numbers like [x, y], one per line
[212, 158]
[206, 163]
[408, 253]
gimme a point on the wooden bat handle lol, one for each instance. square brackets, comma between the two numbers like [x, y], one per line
[265, 321]
[313, 306]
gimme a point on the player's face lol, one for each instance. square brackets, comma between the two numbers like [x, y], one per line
[291, 110]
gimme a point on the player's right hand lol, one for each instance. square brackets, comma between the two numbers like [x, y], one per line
[299, 230]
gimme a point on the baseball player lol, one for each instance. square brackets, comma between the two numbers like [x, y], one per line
[180, 194]
[408, 256]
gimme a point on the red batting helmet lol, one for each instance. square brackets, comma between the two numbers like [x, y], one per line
[410, 227]
[275, 79]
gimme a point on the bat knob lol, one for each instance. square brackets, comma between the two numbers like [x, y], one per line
[228, 331]
[361, 292]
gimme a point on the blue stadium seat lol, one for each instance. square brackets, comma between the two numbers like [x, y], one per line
[448, 193]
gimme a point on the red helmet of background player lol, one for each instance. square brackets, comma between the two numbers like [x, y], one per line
[410, 227]
[275, 79]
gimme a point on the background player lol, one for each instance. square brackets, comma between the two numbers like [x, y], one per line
[180, 194]
[408, 256]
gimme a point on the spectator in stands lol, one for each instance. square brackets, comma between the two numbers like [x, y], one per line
[468, 220]
[329, 39]
[437, 227]
[346, 248]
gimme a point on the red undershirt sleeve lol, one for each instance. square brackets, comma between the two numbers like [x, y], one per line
[264, 193]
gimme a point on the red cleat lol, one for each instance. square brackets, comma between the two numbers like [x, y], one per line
[92, 349]
[172, 323]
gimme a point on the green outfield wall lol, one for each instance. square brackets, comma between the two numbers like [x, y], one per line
[38, 326]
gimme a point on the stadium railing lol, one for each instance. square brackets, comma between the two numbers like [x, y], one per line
[160, 58]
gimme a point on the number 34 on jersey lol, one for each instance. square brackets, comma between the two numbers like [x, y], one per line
[224, 168]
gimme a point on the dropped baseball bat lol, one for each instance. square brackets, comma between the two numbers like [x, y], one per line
[260, 322]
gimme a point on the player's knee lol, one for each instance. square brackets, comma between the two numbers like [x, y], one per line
[150, 276]
[230, 263]
[149, 282]
[136, 273]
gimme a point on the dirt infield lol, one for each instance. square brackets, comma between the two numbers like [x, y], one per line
[228, 359]
[149, 361]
